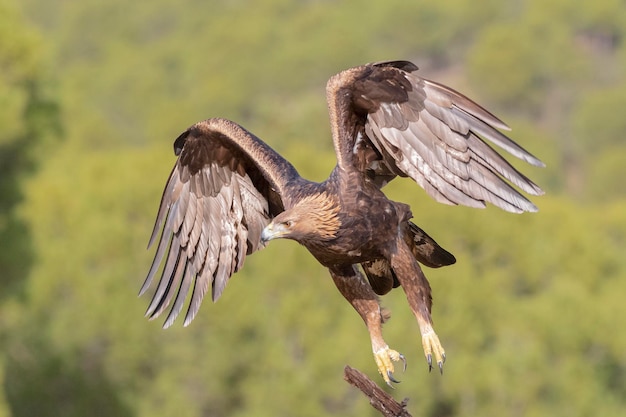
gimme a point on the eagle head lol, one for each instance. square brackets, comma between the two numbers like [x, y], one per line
[312, 218]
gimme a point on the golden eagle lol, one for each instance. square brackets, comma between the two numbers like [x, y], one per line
[230, 193]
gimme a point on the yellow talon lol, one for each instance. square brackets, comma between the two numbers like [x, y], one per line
[384, 360]
[432, 347]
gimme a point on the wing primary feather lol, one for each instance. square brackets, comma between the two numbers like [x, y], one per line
[205, 276]
[498, 191]
[173, 288]
[164, 206]
[169, 278]
[183, 290]
[447, 97]
[200, 287]
[489, 157]
[495, 136]
[158, 257]
[164, 243]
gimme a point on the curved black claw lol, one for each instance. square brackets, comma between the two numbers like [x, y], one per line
[403, 359]
[429, 359]
[441, 362]
[392, 379]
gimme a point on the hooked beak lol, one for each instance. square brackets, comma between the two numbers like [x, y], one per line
[273, 231]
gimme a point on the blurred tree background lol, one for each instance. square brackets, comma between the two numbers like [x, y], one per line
[93, 94]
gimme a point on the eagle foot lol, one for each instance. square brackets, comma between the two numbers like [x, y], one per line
[384, 360]
[432, 348]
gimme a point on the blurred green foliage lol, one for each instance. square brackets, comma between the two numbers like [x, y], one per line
[92, 95]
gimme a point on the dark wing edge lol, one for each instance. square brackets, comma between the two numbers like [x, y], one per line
[436, 136]
[225, 187]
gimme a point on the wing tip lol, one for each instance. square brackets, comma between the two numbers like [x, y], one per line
[536, 162]
[189, 318]
[170, 321]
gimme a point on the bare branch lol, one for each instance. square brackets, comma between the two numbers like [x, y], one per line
[379, 399]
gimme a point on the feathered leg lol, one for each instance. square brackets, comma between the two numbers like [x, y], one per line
[417, 290]
[359, 293]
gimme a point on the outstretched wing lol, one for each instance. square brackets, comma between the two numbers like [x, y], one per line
[225, 187]
[424, 130]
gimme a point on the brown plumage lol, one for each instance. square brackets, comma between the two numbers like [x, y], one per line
[229, 193]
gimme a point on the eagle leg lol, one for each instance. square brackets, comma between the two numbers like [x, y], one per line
[359, 293]
[417, 290]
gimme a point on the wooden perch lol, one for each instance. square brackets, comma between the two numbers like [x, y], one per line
[379, 399]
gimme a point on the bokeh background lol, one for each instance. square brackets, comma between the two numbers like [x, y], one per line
[92, 94]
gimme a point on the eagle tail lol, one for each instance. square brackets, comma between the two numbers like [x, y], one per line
[425, 250]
